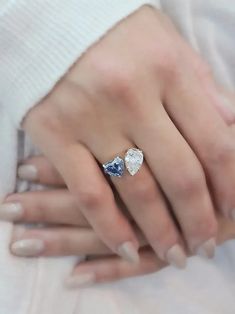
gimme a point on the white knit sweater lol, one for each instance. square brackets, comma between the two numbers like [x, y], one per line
[39, 41]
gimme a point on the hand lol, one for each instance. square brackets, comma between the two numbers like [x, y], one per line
[143, 86]
[67, 232]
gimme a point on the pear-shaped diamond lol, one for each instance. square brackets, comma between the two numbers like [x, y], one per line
[133, 160]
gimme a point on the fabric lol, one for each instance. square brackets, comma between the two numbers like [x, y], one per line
[41, 39]
[35, 286]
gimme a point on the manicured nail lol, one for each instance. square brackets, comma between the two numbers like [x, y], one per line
[207, 249]
[233, 214]
[28, 247]
[176, 256]
[27, 172]
[80, 281]
[11, 211]
[129, 252]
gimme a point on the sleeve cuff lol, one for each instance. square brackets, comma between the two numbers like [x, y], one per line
[40, 40]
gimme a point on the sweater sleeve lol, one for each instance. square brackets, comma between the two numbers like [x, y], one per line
[41, 39]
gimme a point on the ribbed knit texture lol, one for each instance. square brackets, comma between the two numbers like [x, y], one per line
[41, 39]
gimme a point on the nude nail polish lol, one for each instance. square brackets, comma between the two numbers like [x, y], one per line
[11, 211]
[80, 281]
[207, 249]
[28, 247]
[27, 172]
[176, 257]
[129, 252]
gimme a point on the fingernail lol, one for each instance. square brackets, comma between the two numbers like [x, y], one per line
[11, 211]
[28, 247]
[27, 172]
[176, 256]
[129, 252]
[233, 214]
[80, 281]
[207, 249]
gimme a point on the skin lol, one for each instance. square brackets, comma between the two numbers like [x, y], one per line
[128, 90]
[69, 233]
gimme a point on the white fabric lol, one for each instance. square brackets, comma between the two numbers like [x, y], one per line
[41, 39]
[35, 286]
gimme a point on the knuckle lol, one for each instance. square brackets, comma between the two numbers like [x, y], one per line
[145, 191]
[121, 85]
[40, 212]
[165, 234]
[91, 198]
[113, 78]
[35, 209]
[187, 184]
[68, 95]
[166, 63]
[205, 227]
[222, 153]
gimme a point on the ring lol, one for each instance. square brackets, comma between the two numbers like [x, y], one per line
[133, 161]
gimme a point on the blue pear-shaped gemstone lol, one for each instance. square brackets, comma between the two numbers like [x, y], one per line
[115, 167]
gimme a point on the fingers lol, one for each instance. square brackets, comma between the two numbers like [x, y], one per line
[146, 205]
[70, 240]
[73, 241]
[93, 195]
[95, 199]
[50, 206]
[214, 143]
[60, 241]
[149, 210]
[103, 79]
[39, 169]
[109, 269]
[102, 268]
[182, 179]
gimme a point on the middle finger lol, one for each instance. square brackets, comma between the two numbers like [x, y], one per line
[146, 204]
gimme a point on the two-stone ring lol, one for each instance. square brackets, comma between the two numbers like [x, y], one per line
[133, 161]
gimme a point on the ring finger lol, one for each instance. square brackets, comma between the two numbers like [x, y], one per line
[147, 206]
